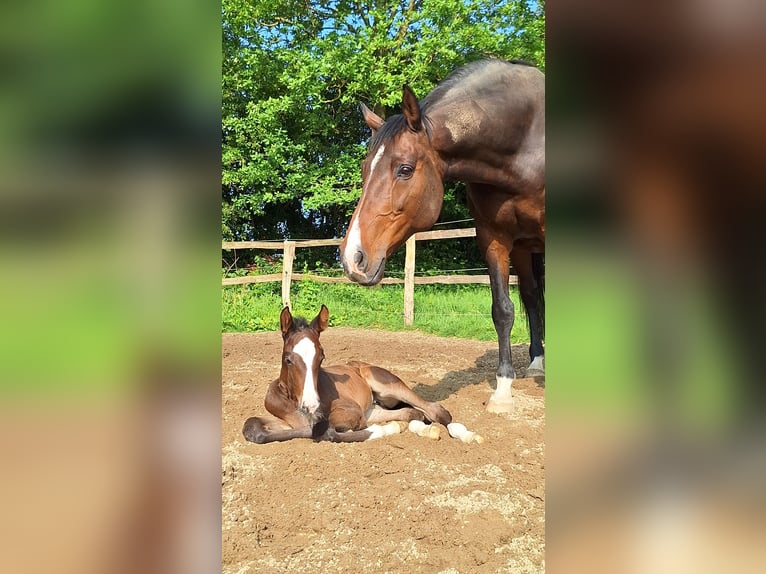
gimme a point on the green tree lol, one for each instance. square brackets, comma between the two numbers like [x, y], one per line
[294, 73]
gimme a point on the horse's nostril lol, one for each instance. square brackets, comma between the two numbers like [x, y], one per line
[359, 259]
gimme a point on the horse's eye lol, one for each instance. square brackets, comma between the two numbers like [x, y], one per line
[405, 171]
[288, 360]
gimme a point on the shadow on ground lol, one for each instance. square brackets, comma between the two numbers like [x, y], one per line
[483, 372]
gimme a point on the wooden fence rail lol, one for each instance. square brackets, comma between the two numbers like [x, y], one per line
[287, 276]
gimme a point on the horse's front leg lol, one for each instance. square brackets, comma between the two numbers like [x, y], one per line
[497, 257]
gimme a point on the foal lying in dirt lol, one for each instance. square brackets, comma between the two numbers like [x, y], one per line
[345, 403]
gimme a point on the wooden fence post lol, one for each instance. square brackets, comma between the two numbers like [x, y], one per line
[409, 281]
[287, 272]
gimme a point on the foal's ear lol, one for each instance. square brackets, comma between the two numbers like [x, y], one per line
[411, 109]
[319, 323]
[373, 120]
[285, 320]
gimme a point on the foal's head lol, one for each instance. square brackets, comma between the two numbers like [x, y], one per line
[302, 355]
[402, 191]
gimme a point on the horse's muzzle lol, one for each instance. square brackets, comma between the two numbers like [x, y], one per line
[359, 270]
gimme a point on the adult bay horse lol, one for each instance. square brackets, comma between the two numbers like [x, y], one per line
[484, 125]
[346, 403]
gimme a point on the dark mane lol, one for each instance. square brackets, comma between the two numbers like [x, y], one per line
[299, 324]
[392, 126]
[460, 74]
[398, 123]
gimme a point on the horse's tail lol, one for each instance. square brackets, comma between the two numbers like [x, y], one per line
[538, 272]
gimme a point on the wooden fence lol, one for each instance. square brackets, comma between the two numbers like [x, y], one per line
[287, 276]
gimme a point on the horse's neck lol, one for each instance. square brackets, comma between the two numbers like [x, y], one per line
[472, 152]
[466, 152]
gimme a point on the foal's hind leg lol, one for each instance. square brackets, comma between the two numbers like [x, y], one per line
[406, 414]
[347, 423]
[389, 390]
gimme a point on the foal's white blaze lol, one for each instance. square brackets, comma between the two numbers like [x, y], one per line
[306, 350]
[354, 236]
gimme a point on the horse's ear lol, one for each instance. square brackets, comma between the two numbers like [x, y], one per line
[411, 109]
[373, 120]
[319, 323]
[285, 320]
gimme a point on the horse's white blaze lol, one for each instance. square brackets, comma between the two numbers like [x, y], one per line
[354, 235]
[537, 364]
[353, 244]
[376, 159]
[306, 350]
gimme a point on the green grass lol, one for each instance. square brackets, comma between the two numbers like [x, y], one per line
[445, 310]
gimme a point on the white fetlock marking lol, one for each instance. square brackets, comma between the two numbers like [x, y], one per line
[503, 391]
[458, 430]
[537, 364]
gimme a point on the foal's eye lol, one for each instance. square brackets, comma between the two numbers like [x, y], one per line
[405, 171]
[288, 360]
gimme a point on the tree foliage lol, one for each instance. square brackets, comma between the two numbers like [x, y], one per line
[294, 72]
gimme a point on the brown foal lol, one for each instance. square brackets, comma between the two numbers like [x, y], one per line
[345, 403]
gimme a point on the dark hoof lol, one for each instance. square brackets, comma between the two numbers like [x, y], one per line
[440, 415]
[320, 428]
[253, 431]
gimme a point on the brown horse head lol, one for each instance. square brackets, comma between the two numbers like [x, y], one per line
[402, 191]
[302, 356]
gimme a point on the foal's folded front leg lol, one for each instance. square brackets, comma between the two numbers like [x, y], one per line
[259, 431]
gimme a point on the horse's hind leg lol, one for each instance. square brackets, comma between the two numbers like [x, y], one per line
[389, 390]
[531, 297]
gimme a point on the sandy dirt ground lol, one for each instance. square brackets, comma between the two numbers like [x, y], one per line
[398, 504]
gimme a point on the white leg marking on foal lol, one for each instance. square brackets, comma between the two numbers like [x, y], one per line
[501, 400]
[422, 429]
[306, 350]
[458, 430]
[379, 431]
